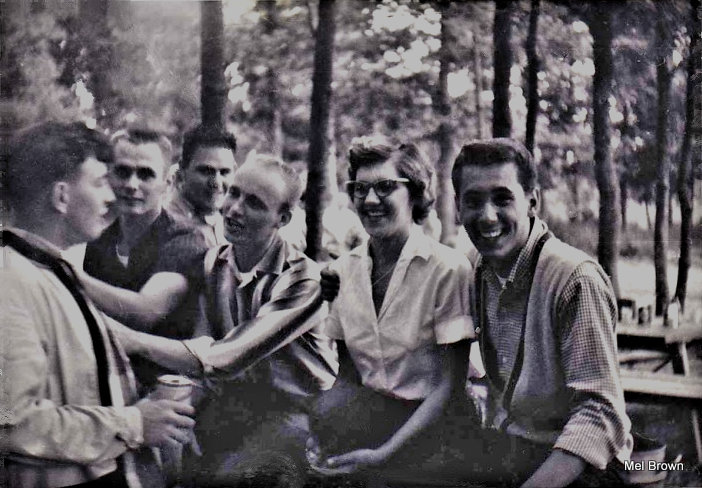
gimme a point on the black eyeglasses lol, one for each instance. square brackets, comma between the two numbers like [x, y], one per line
[382, 188]
[124, 172]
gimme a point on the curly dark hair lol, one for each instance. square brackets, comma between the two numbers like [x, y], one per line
[205, 136]
[410, 162]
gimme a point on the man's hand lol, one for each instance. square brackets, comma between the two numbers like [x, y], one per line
[166, 423]
[330, 284]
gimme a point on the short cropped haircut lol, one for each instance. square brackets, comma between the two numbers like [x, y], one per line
[47, 153]
[490, 152]
[205, 136]
[290, 177]
[145, 135]
[410, 162]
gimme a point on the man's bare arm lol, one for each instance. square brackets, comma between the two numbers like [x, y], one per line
[169, 353]
[159, 296]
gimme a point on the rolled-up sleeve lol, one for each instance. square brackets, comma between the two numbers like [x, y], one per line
[295, 307]
[598, 427]
[452, 318]
[33, 423]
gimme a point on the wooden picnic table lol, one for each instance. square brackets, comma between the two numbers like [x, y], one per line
[667, 344]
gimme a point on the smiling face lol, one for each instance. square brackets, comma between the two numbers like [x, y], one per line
[138, 178]
[253, 208]
[495, 211]
[89, 196]
[207, 177]
[386, 217]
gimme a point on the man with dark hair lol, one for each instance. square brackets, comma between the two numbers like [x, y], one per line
[545, 313]
[128, 254]
[206, 168]
[70, 413]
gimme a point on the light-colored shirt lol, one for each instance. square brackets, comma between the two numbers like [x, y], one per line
[211, 225]
[397, 351]
[53, 424]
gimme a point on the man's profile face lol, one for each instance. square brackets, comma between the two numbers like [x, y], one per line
[206, 180]
[252, 207]
[495, 211]
[138, 177]
[89, 199]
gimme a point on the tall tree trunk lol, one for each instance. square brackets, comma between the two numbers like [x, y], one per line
[660, 232]
[533, 65]
[608, 239]
[670, 199]
[647, 202]
[317, 179]
[685, 177]
[273, 116]
[96, 38]
[502, 34]
[478, 70]
[624, 199]
[212, 86]
[6, 89]
[442, 106]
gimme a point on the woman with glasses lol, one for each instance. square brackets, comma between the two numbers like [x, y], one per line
[400, 319]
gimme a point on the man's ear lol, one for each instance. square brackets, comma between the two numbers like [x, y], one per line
[284, 217]
[534, 202]
[457, 210]
[60, 196]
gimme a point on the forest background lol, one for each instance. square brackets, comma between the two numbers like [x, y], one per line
[606, 94]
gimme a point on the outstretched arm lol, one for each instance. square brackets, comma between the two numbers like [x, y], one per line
[295, 308]
[169, 353]
[159, 296]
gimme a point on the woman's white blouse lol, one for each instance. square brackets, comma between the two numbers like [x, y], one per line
[397, 352]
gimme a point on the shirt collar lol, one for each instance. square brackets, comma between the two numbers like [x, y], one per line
[272, 262]
[418, 244]
[521, 268]
[183, 206]
[37, 241]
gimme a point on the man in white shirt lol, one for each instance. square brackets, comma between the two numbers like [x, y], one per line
[70, 414]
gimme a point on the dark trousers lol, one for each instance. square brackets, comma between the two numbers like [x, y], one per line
[350, 416]
[113, 480]
[250, 437]
[455, 449]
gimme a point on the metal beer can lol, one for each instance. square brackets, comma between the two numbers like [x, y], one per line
[174, 387]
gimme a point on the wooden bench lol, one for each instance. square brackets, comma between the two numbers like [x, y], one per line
[669, 345]
[669, 385]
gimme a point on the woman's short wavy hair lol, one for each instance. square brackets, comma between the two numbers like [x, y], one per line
[410, 162]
